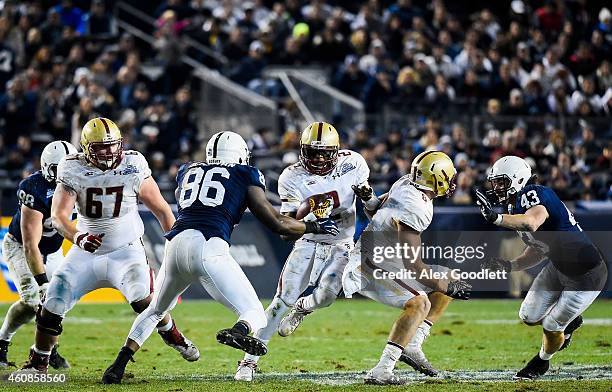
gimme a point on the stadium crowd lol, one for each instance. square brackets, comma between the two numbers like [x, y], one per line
[61, 65]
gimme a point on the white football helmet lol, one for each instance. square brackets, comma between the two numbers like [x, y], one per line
[508, 176]
[51, 155]
[227, 147]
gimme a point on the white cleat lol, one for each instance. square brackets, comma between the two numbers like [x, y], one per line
[246, 370]
[382, 376]
[417, 360]
[292, 320]
[180, 343]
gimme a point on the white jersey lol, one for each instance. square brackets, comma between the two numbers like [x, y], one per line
[406, 204]
[296, 184]
[107, 201]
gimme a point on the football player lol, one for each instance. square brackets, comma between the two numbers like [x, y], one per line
[402, 215]
[105, 183]
[316, 258]
[212, 198]
[33, 248]
[577, 270]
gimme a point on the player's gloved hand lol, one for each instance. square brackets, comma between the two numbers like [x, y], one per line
[363, 191]
[459, 289]
[42, 292]
[322, 226]
[486, 209]
[496, 264]
[43, 283]
[87, 241]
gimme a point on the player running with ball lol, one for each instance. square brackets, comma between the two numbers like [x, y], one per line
[576, 272]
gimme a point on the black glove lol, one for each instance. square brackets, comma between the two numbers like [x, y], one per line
[486, 209]
[322, 226]
[364, 192]
[496, 264]
[459, 289]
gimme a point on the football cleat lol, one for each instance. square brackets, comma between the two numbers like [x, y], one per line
[535, 368]
[113, 374]
[382, 376]
[417, 360]
[37, 363]
[56, 361]
[4, 353]
[175, 339]
[246, 370]
[569, 330]
[249, 344]
[292, 320]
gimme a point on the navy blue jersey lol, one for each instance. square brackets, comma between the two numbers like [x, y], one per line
[560, 237]
[35, 192]
[212, 198]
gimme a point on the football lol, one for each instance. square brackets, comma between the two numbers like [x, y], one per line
[320, 204]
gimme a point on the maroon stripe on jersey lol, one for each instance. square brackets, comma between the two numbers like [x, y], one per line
[105, 125]
[320, 131]
[398, 281]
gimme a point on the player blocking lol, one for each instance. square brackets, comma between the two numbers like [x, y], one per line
[212, 197]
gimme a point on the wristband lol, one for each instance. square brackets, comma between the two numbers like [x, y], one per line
[41, 279]
[373, 203]
[499, 220]
[311, 227]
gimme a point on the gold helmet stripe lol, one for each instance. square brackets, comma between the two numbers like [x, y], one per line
[105, 125]
[319, 131]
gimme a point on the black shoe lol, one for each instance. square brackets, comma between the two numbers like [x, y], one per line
[535, 368]
[4, 344]
[569, 330]
[56, 361]
[233, 338]
[113, 374]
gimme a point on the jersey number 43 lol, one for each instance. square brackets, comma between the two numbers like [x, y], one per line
[200, 184]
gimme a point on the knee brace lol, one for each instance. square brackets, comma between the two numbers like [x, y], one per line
[48, 323]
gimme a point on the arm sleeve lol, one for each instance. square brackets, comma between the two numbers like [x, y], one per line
[30, 197]
[290, 199]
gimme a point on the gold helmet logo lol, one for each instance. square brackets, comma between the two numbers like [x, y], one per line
[433, 171]
[319, 145]
[102, 143]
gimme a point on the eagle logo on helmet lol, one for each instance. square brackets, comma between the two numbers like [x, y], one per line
[319, 146]
[102, 143]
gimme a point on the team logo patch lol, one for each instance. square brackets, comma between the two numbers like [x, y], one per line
[129, 169]
[346, 167]
[50, 193]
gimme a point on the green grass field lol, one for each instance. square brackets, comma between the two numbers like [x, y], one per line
[329, 350]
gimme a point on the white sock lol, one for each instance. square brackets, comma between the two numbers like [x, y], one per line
[40, 352]
[544, 355]
[420, 335]
[390, 355]
[166, 327]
